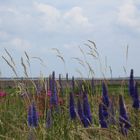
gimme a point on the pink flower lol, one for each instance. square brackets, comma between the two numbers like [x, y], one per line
[2, 94]
[49, 93]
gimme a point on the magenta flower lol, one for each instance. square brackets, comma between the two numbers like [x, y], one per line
[49, 93]
[2, 94]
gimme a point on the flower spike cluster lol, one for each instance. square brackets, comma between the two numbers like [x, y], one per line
[123, 118]
[32, 116]
[102, 120]
[82, 117]
[131, 83]
[86, 108]
[136, 101]
[72, 107]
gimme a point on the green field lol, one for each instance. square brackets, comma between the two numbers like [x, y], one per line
[14, 110]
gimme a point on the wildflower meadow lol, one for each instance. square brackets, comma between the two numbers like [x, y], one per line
[67, 108]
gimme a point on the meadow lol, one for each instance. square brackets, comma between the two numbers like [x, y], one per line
[80, 110]
[55, 119]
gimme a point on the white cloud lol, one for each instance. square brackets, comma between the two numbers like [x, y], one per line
[20, 44]
[48, 10]
[14, 19]
[49, 18]
[75, 17]
[129, 15]
[4, 35]
[53, 19]
[9, 9]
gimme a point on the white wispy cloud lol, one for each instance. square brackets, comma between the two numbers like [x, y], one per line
[129, 14]
[4, 35]
[20, 44]
[53, 19]
[75, 18]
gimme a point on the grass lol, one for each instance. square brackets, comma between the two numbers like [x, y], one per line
[13, 119]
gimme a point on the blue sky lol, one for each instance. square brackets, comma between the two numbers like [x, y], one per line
[37, 26]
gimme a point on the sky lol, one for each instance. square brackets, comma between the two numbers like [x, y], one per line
[39, 31]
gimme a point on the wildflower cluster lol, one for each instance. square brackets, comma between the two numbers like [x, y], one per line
[80, 108]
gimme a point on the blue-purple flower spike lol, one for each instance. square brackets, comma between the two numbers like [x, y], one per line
[73, 84]
[60, 83]
[105, 97]
[72, 107]
[136, 101]
[49, 119]
[50, 83]
[131, 83]
[123, 119]
[54, 97]
[86, 108]
[105, 100]
[82, 117]
[102, 120]
[32, 116]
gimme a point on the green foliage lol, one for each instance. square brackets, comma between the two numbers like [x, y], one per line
[13, 119]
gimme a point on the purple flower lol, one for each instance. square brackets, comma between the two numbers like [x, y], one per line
[112, 113]
[123, 118]
[101, 117]
[82, 117]
[131, 84]
[60, 83]
[136, 101]
[86, 107]
[105, 101]
[54, 96]
[32, 116]
[49, 119]
[73, 84]
[72, 107]
[50, 83]
[105, 97]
